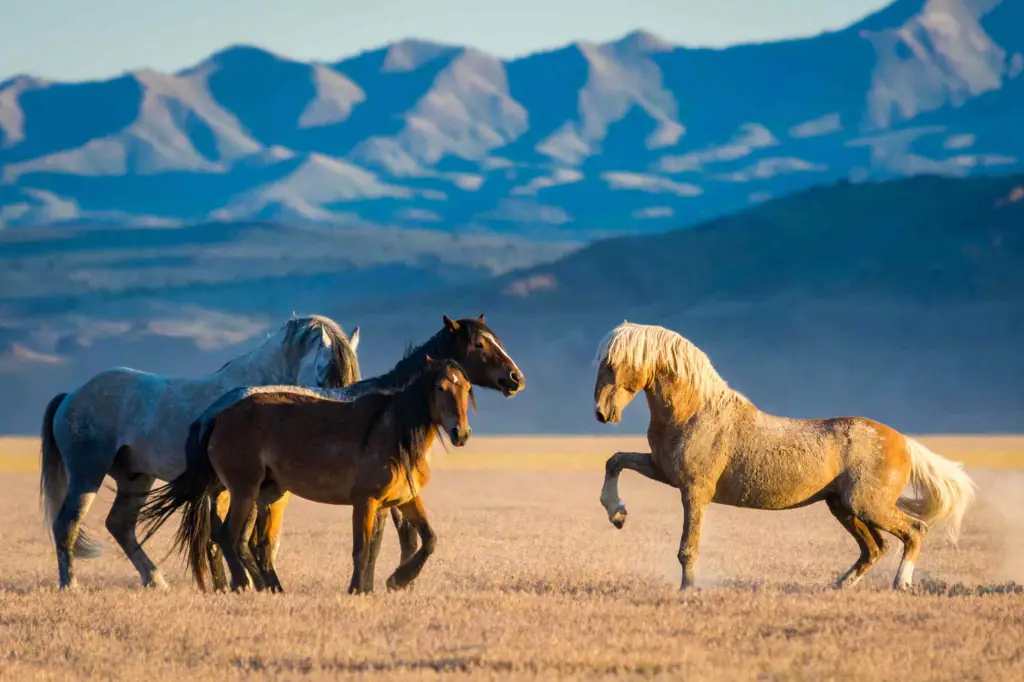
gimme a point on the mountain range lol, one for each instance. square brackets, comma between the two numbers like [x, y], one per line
[901, 300]
[635, 135]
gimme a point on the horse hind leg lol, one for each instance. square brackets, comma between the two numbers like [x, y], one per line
[234, 541]
[908, 530]
[68, 524]
[269, 520]
[123, 518]
[215, 556]
[872, 545]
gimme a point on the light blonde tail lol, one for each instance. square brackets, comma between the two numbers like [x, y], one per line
[943, 489]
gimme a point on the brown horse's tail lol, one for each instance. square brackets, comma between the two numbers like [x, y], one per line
[193, 492]
[943, 488]
[53, 482]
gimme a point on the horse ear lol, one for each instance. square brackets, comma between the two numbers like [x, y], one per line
[353, 340]
[429, 360]
[481, 318]
[450, 324]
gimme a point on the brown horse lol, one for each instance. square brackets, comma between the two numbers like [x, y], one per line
[469, 341]
[715, 446]
[370, 452]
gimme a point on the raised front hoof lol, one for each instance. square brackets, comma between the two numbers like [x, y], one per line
[618, 518]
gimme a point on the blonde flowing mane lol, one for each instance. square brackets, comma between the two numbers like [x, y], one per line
[649, 348]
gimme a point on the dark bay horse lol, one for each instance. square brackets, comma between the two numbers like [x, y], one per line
[470, 341]
[133, 427]
[370, 452]
[715, 446]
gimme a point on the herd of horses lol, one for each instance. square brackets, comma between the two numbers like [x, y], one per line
[294, 416]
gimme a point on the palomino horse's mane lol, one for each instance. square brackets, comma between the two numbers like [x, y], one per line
[649, 348]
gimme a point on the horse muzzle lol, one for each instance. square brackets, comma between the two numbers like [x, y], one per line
[512, 384]
[460, 437]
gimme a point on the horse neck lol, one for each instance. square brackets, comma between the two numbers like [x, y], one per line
[410, 409]
[265, 364]
[675, 401]
[437, 347]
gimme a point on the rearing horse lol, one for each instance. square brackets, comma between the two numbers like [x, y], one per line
[715, 446]
[133, 427]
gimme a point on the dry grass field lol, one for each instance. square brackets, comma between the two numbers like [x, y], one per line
[530, 581]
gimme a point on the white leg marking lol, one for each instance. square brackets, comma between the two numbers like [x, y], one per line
[611, 502]
[905, 577]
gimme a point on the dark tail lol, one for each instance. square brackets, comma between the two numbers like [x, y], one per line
[194, 493]
[53, 482]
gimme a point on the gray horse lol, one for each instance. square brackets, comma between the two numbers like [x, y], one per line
[133, 427]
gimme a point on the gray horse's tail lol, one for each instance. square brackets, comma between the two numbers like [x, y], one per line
[53, 482]
[194, 493]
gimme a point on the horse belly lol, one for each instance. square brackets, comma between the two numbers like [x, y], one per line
[317, 484]
[770, 489]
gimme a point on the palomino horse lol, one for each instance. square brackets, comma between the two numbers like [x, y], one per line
[716, 446]
[133, 426]
[370, 452]
[470, 342]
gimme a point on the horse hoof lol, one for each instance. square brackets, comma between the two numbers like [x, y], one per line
[394, 584]
[618, 519]
[156, 582]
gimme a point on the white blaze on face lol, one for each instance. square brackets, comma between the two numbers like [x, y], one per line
[497, 346]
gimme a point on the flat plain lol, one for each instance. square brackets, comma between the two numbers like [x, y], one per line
[530, 581]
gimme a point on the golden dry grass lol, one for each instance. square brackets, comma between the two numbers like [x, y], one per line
[20, 454]
[531, 581]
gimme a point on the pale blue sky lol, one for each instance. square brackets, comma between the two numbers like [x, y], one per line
[84, 39]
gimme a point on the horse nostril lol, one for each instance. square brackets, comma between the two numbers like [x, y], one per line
[514, 376]
[599, 415]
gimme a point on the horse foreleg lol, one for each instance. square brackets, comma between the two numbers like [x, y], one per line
[123, 518]
[694, 506]
[407, 536]
[639, 462]
[375, 543]
[408, 571]
[364, 516]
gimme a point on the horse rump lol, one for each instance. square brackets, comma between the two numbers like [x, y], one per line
[53, 482]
